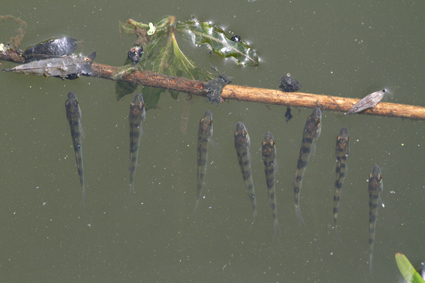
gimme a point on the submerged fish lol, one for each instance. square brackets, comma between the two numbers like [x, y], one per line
[242, 143]
[66, 67]
[205, 132]
[342, 150]
[369, 101]
[376, 186]
[136, 117]
[269, 159]
[311, 132]
[73, 114]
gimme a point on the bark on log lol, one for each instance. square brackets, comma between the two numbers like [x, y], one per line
[325, 102]
[261, 95]
[252, 94]
[152, 79]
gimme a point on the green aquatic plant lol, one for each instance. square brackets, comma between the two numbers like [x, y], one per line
[407, 270]
[163, 54]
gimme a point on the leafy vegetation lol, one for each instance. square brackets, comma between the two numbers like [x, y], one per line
[407, 270]
[163, 55]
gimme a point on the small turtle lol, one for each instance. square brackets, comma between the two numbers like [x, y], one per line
[215, 87]
[236, 38]
[135, 54]
[289, 84]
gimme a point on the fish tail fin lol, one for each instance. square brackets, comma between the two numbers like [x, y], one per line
[84, 196]
[254, 219]
[370, 265]
[131, 192]
[276, 229]
[337, 237]
[196, 207]
[196, 211]
[299, 216]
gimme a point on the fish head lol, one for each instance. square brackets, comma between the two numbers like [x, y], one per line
[72, 96]
[137, 106]
[268, 139]
[315, 120]
[268, 145]
[72, 107]
[206, 121]
[376, 171]
[343, 141]
[138, 100]
[375, 179]
[241, 134]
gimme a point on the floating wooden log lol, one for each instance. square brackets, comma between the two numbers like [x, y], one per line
[245, 93]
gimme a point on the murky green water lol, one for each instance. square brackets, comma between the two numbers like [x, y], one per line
[348, 49]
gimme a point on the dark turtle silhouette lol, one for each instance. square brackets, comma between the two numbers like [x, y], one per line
[52, 48]
[289, 84]
[135, 54]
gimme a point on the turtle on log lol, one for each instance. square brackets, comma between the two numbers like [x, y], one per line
[289, 84]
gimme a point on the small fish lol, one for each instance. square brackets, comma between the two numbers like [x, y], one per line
[311, 132]
[66, 67]
[376, 186]
[342, 150]
[73, 114]
[205, 132]
[369, 101]
[136, 117]
[242, 143]
[269, 159]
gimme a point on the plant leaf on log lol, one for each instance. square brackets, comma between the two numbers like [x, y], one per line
[203, 33]
[151, 97]
[124, 88]
[162, 55]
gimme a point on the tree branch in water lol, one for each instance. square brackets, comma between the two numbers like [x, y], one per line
[245, 93]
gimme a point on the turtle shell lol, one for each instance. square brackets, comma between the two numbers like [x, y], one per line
[52, 48]
[289, 84]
